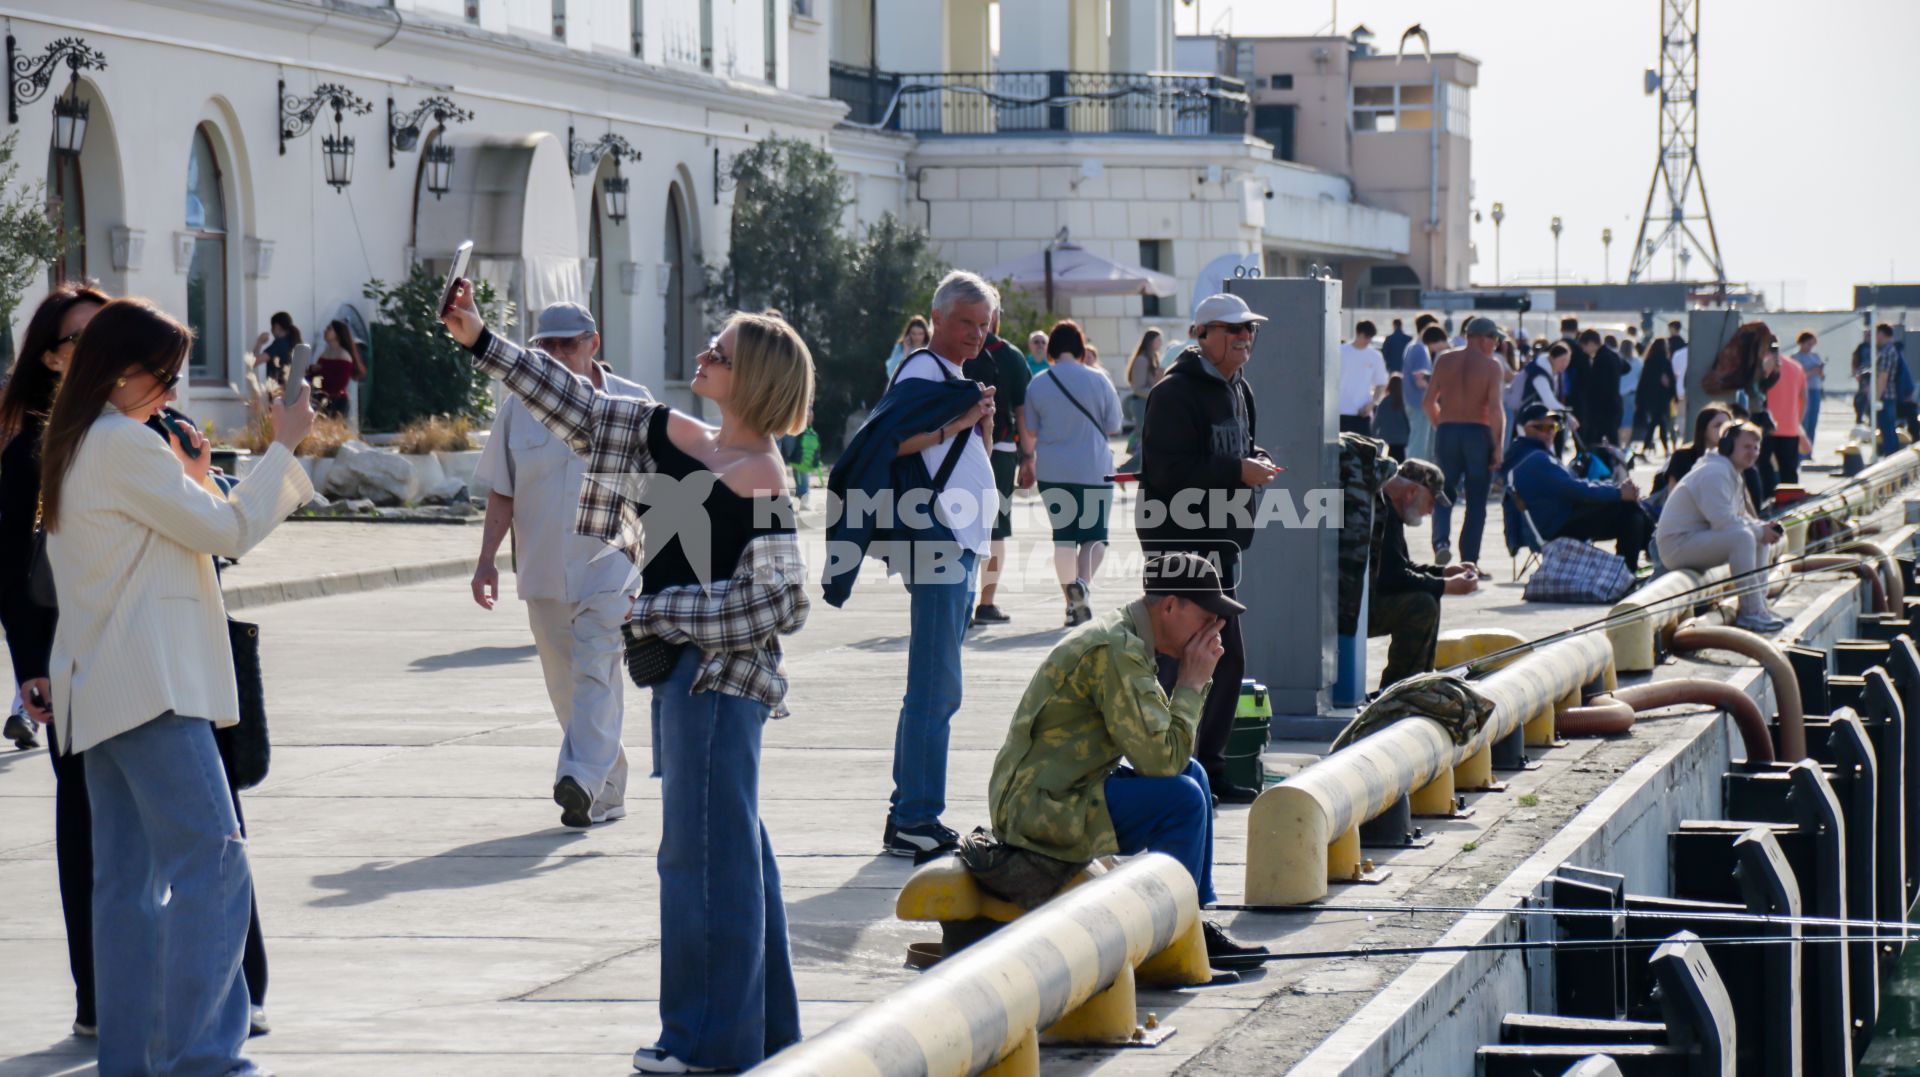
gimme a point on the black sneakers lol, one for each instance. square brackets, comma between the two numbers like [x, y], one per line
[19, 730]
[576, 807]
[1226, 952]
[990, 615]
[922, 842]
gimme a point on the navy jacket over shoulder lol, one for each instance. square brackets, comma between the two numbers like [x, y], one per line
[871, 467]
[1549, 489]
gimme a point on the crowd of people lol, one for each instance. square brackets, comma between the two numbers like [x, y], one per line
[108, 507]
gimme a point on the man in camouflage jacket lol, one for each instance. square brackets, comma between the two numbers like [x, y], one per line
[1059, 786]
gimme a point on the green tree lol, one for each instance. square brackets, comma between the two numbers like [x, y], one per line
[787, 250]
[416, 369]
[890, 276]
[29, 238]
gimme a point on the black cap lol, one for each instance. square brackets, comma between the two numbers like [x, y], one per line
[1535, 412]
[1429, 476]
[1192, 577]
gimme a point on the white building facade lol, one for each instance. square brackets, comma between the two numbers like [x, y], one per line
[190, 188]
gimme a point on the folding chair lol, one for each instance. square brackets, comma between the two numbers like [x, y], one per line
[1522, 534]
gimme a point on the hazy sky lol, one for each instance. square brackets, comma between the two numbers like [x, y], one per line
[1808, 116]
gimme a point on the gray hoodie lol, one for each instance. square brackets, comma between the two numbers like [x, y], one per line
[1712, 497]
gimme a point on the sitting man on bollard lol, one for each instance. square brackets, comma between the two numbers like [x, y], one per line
[1564, 506]
[1060, 789]
[1405, 597]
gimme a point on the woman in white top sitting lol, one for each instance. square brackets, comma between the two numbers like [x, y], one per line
[1709, 521]
[141, 672]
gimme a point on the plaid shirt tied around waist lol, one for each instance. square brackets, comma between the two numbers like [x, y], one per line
[736, 622]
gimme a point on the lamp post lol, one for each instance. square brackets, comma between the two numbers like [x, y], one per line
[1606, 255]
[1499, 214]
[1556, 252]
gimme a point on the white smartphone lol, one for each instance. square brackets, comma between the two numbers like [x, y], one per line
[461, 255]
[297, 364]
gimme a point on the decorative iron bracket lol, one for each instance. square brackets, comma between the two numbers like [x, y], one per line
[405, 126]
[297, 113]
[585, 156]
[28, 77]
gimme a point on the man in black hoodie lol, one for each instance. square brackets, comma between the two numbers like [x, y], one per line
[1200, 462]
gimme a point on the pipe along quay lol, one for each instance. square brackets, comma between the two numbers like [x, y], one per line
[1675, 847]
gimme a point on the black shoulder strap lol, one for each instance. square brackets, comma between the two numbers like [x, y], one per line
[1071, 399]
[952, 459]
[937, 361]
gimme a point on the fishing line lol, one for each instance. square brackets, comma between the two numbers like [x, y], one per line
[1910, 931]
[1549, 944]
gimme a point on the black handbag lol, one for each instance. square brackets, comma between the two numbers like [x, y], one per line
[650, 659]
[244, 749]
[40, 574]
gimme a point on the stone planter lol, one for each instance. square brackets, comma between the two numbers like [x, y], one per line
[316, 468]
[461, 466]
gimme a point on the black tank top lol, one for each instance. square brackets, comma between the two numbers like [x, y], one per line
[731, 519]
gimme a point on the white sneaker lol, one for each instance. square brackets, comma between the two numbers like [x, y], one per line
[257, 1021]
[656, 1060]
[609, 813]
[86, 1032]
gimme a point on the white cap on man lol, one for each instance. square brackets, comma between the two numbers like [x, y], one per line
[1225, 309]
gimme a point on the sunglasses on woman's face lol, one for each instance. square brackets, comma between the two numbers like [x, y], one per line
[167, 381]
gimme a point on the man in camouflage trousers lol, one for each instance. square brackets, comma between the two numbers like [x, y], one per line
[1060, 788]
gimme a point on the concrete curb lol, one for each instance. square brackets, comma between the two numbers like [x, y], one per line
[272, 592]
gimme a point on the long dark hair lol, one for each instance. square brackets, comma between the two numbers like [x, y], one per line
[29, 389]
[282, 320]
[344, 334]
[1140, 352]
[126, 332]
[1700, 421]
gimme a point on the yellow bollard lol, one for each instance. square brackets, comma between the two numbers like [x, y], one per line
[1475, 773]
[1182, 964]
[1465, 645]
[1024, 1061]
[1436, 798]
[1106, 1019]
[1343, 857]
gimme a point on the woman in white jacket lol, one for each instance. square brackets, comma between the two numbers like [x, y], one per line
[141, 672]
[1709, 521]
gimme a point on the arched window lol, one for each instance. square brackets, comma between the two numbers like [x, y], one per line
[674, 264]
[207, 275]
[67, 205]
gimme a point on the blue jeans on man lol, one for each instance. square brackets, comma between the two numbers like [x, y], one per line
[1889, 424]
[1171, 815]
[172, 896]
[727, 997]
[1810, 422]
[942, 601]
[1465, 456]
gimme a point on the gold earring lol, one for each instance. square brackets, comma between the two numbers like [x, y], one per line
[120, 384]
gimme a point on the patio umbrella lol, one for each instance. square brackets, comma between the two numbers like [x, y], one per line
[1065, 268]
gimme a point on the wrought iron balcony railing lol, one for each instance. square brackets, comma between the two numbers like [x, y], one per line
[1042, 102]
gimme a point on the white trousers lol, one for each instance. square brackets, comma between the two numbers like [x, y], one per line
[1737, 548]
[580, 654]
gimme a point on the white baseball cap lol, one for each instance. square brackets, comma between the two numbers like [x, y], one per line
[1228, 309]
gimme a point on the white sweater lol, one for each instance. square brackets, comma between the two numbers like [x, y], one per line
[143, 626]
[1711, 497]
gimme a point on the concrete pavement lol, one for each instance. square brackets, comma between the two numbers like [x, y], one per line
[426, 914]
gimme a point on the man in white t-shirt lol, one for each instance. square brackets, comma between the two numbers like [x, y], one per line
[1363, 380]
[942, 594]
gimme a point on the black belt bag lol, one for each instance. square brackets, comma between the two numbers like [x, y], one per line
[650, 659]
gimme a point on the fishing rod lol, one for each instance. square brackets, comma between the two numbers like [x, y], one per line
[1544, 944]
[1900, 928]
[1758, 578]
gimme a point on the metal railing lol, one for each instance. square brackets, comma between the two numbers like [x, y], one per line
[1042, 103]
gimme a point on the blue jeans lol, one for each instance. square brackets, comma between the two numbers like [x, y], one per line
[1465, 452]
[1889, 423]
[172, 895]
[1810, 422]
[1419, 434]
[938, 623]
[727, 998]
[1172, 815]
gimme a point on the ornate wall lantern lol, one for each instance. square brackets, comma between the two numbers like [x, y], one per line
[28, 78]
[296, 119]
[403, 136]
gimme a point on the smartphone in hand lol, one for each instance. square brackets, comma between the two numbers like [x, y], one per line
[461, 256]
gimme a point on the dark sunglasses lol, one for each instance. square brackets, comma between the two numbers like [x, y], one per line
[167, 381]
[718, 356]
[1249, 328]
